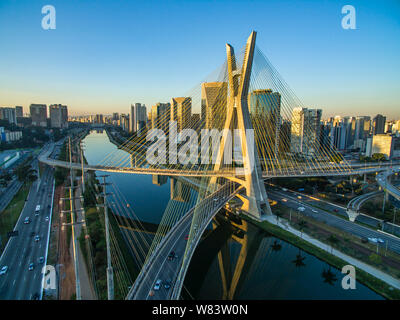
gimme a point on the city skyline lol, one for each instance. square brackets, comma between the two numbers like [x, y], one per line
[108, 66]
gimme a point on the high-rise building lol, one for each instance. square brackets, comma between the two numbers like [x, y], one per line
[124, 122]
[213, 104]
[19, 111]
[389, 145]
[8, 114]
[38, 114]
[305, 131]
[138, 117]
[265, 109]
[160, 116]
[181, 112]
[99, 119]
[379, 124]
[58, 116]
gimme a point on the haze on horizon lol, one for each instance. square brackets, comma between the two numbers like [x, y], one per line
[105, 55]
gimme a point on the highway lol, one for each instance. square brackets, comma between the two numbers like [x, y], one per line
[158, 266]
[9, 193]
[382, 179]
[19, 283]
[293, 202]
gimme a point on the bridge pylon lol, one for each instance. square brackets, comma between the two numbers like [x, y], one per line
[255, 199]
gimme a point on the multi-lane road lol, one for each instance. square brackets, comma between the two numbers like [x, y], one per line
[290, 200]
[158, 267]
[19, 283]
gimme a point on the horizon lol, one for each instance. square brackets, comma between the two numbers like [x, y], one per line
[98, 68]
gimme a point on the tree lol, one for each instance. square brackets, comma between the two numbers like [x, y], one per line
[299, 261]
[276, 246]
[328, 276]
[332, 240]
[302, 225]
[378, 157]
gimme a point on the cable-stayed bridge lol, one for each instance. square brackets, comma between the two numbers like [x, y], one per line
[252, 127]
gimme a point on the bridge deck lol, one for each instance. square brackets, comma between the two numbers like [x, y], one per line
[158, 266]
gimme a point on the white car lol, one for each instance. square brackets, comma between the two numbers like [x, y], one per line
[380, 240]
[313, 210]
[157, 285]
[46, 219]
[374, 240]
[3, 270]
[301, 209]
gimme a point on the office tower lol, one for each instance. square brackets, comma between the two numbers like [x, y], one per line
[138, 117]
[160, 116]
[124, 122]
[363, 127]
[58, 116]
[195, 121]
[38, 114]
[8, 114]
[305, 131]
[115, 116]
[213, 104]
[181, 112]
[389, 145]
[379, 124]
[99, 119]
[265, 110]
[19, 111]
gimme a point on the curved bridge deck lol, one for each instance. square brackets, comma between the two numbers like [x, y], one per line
[157, 266]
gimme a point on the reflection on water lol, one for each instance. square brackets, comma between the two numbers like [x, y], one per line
[235, 259]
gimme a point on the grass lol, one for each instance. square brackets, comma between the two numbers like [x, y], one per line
[370, 281]
[10, 215]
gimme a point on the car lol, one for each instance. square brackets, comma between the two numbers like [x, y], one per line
[171, 256]
[3, 270]
[167, 284]
[37, 238]
[284, 189]
[380, 240]
[187, 237]
[31, 266]
[157, 285]
[46, 219]
[284, 200]
[335, 210]
[27, 220]
[298, 197]
[32, 233]
[313, 210]
[374, 240]
[364, 240]
[301, 209]
[35, 296]
[215, 199]
[41, 260]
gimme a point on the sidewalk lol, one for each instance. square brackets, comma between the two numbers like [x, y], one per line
[361, 265]
[87, 291]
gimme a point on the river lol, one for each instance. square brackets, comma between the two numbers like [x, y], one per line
[236, 260]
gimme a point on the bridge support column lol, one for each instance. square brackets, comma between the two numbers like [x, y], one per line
[255, 200]
[352, 215]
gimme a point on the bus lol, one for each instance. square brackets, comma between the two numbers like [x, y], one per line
[37, 210]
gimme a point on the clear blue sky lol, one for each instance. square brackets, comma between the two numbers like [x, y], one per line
[105, 55]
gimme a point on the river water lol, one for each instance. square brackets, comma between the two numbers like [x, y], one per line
[236, 260]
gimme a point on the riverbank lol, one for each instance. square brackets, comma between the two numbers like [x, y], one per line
[365, 274]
